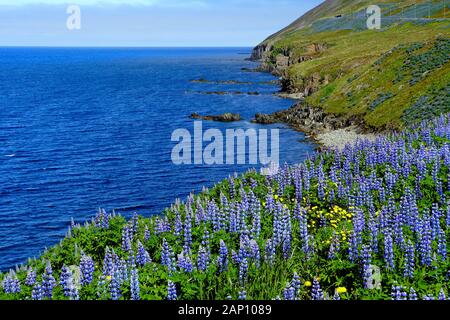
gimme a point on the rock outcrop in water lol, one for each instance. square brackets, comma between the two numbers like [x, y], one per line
[226, 117]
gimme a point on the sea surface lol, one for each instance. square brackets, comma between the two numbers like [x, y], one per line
[85, 128]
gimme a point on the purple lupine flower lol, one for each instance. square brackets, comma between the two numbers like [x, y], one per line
[412, 294]
[68, 284]
[235, 257]
[241, 217]
[398, 231]
[126, 238]
[353, 248]
[108, 262]
[146, 234]
[442, 296]
[167, 256]
[206, 244]
[185, 262]
[15, 284]
[172, 291]
[162, 226]
[87, 267]
[447, 220]
[366, 260]
[188, 230]
[11, 284]
[373, 235]
[101, 219]
[287, 233]
[256, 224]
[270, 202]
[316, 293]
[243, 269]
[439, 189]
[142, 257]
[202, 260]
[255, 253]
[278, 225]
[336, 296]
[134, 284]
[134, 225]
[48, 282]
[188, 265]
[389, 251]
[304, 235]
[65, 279]
[178, 224]
[30, 280]
[121, 270]
[233, 225]
[242, 295]
[213, 213]
[334, 247]
[409, 261]
[269, 256]
[296, 283]
[331, 196]
[442, 244]
[321, 182]
[425, 245]
[200, 215]
[114, 287]
[435, 222]
[398, 293]
[289, 292]
[223, 256]
[38, 292]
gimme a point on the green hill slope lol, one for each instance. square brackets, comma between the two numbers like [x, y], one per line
[387, 78]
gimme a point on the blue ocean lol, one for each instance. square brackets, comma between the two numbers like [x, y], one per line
[85, 128]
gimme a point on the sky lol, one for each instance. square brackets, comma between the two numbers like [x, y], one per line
[146, 23]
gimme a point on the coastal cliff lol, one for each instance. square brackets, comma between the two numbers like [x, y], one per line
[347, 76]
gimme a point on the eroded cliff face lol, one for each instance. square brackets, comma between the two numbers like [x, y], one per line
[259, 52]
[301, 116]
[278, 62]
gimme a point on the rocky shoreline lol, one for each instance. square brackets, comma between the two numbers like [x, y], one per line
[327, 130]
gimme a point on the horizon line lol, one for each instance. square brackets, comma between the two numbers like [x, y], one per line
[121, 46]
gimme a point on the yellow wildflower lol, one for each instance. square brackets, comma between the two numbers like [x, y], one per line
[341, 290]
[308, 284]
[108, 278]
[275, 197]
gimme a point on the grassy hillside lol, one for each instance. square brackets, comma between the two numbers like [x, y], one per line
[388, 77]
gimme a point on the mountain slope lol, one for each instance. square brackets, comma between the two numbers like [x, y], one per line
[386, 78]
